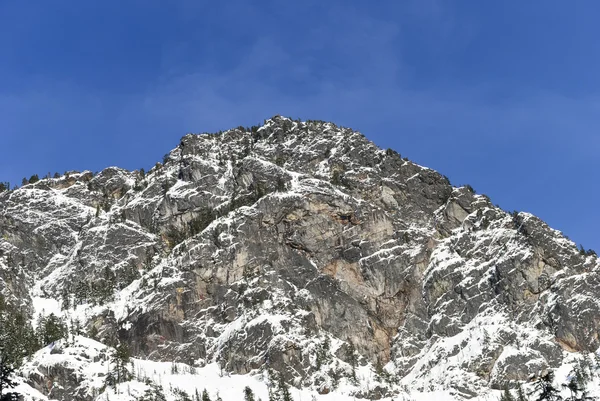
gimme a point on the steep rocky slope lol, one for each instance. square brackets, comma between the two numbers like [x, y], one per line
[300, 247]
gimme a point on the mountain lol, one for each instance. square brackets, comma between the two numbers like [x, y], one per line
[291, 254]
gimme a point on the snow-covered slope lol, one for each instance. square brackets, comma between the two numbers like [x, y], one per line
[299, 248]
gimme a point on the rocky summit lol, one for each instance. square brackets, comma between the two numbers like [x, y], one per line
[294, 260]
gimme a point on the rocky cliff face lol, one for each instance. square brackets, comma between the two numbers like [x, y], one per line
[301, 247]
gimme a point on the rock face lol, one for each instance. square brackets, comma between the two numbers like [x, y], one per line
[302, 247]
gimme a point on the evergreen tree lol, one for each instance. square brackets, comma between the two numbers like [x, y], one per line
[573, 387]
[154, 393]
[203, 218]
[6, 370]
[547, 391]
[283, 390]
[93, 332]
[352, 360]
[323, 353]
[51, 329]
[119, 359]
[520, 393]
[12, 396]
[205, 396]
[581, 376]
[585, 368]
[65, 300]
[182, 395]
[506, 395]
[14, 344]
[280, 185]
[576, 385]
[17, 337]
[336, 178]
[248, 394]
[82, 293]
[271, 386]
[174, 368]
[103, 289]
[122, 358]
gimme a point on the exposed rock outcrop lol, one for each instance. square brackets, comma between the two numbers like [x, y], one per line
[256, 247]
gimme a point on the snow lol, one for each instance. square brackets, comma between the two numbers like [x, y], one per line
[44, 307]
[90, 361]
[441, 365]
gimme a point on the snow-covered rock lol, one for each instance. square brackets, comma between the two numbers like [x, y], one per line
[299, 247]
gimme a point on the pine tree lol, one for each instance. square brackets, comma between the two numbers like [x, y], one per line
[573, 387]
[576, 385]
[248, 394]
[506, 395]
[322, 355]
[154, 393]
[65, 300]
[93, 332]
[105, 288]
[520, 393]
[205, 396]
[547, 391]
[581, 376]
[271, 386]
[51, 329]
[182, 395]
[336, 177]
[76, 328]
[82, 293]
[12, 396]
[283, 390]
[122, 358]
[17, 337]
[6, 370]
[353, 360]
[119, 359]
[280, 185]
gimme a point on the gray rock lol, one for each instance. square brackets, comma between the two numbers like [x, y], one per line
[249, 248]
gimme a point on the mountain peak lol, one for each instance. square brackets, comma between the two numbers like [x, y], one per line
[297, 248]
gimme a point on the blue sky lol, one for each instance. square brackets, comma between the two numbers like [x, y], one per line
[502, 95]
